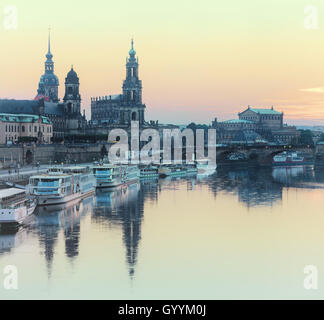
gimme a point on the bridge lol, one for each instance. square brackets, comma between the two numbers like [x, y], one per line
[258, 154]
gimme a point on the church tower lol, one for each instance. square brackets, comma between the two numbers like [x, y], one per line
[132, 88]
[48, 84]
[72, 98]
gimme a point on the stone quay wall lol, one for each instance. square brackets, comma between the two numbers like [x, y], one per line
[32, 154]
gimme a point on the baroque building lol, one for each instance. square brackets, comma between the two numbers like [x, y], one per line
[255, 125]
[121, 109]
[65, 117]
[48, 83]
[24, 128]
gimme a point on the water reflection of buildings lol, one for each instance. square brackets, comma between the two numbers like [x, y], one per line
[293, 176]
[264, 186]
[124, 207]
[255, 187]
[50, 220]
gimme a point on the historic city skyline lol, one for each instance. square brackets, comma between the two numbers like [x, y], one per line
[209, 61]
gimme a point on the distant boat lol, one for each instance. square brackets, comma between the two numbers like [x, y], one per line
[172, 170]
[290, 159]
[15, 207]
[149, 172]
[237, 157]
[113, 175]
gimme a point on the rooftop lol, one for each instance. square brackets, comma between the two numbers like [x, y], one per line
[10, 192]
[265, 111]
[22, 118]
[19, 106]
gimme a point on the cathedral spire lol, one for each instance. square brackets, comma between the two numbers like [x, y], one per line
[48, 84]
[49, 40]
[49, 55]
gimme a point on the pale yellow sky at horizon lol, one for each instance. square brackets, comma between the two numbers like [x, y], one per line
[198, 60]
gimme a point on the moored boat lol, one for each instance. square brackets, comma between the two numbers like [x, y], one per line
[15, 207]
[172, 170]
[191, 168]
[113, 175]
[290, 159]
[149, 172]
[61, 185]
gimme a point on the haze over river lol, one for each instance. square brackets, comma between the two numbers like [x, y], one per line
[240, 233]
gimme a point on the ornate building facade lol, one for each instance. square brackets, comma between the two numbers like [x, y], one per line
[255, 125]
[121, 109]
[24, 127]
[65, 116]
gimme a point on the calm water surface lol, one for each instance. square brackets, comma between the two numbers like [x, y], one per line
[236, 234]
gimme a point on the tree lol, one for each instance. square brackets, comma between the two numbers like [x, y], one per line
[104, 151]
[321, 138]
[306, 137]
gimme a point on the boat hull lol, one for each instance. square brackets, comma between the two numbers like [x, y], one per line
[291, 164]
[16, 216]
[55, 200]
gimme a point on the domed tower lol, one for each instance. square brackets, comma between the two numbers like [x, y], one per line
[72, 98]
[48, 84]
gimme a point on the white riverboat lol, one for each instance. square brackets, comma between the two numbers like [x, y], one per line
[149, 172]
[15, 207]
[191, 168]
[172, 170]
[61, 185]
[113, 175]
[287, 158]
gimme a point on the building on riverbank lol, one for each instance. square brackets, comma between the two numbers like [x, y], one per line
[256, 124]
[25, 128]
[65, 116]
[120, 109]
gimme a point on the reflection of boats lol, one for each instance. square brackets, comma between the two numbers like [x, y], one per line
[114, 198]
[61, 185]
[290, 159]
[12, 239]
[15, 208]
[63, 215]
[297, 176]
[113, 175]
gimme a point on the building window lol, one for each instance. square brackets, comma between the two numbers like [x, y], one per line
[23, 128]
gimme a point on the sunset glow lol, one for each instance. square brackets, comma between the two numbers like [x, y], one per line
[197, 61]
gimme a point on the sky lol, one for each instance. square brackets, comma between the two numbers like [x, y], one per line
[198, 59]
